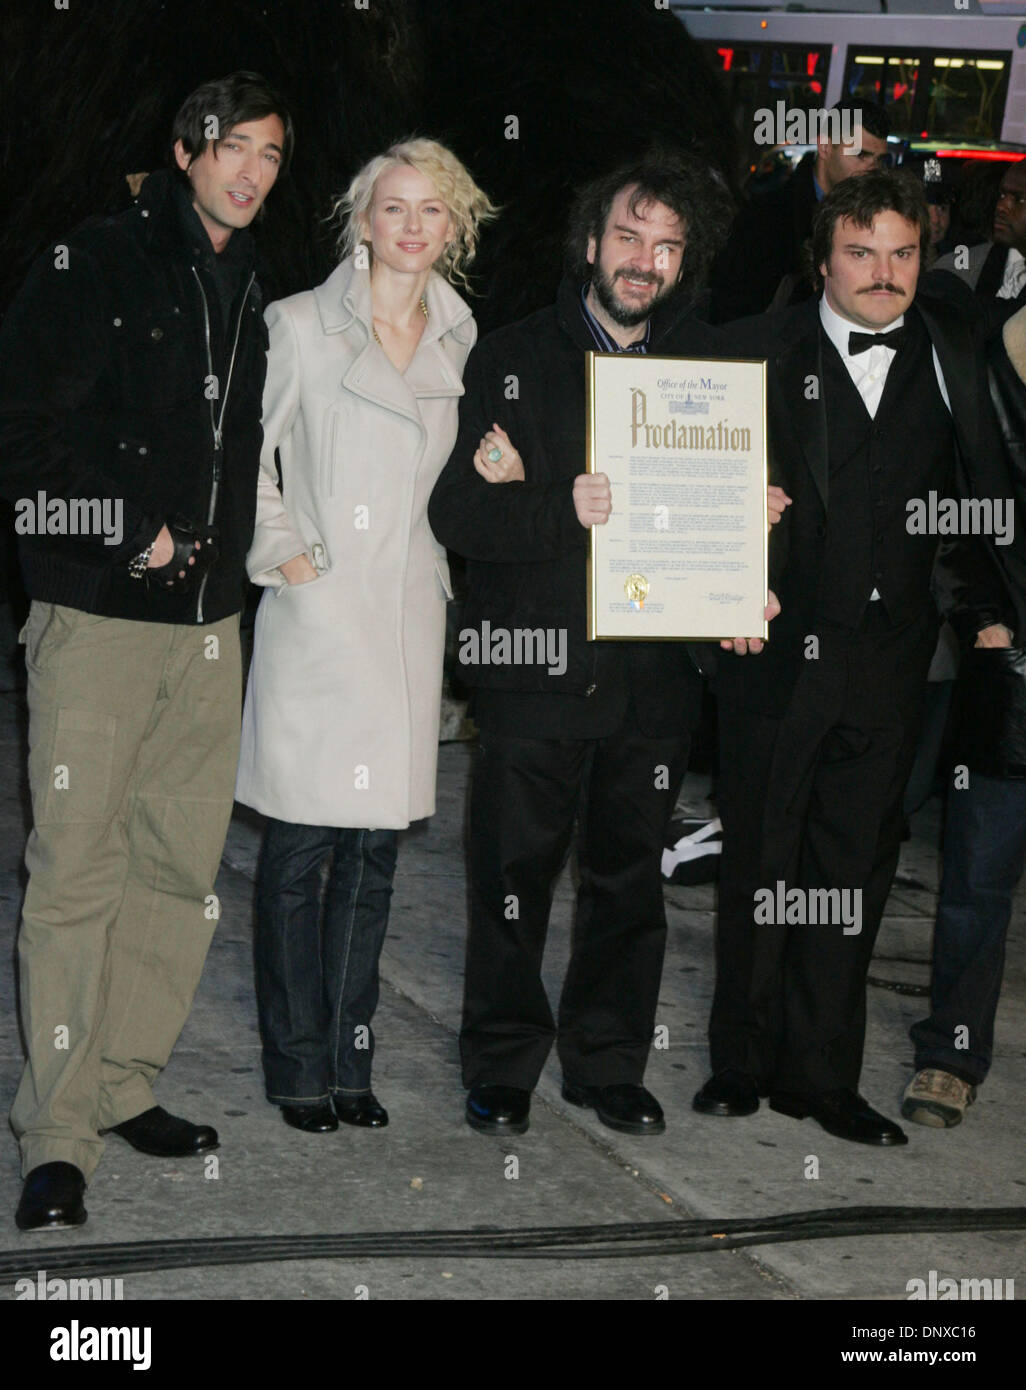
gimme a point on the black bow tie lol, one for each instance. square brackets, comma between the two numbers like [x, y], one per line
[862, 342]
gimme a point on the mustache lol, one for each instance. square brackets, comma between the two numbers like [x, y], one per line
[649, 279]
[884, 285]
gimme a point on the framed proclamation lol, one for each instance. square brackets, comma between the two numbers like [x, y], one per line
[683, 442]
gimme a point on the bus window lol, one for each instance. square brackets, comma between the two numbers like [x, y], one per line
[757, 76]
[889, 78]
[967, 96]
[797, 77]
[943, 95]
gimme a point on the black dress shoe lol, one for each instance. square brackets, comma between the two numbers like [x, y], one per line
[498, 1109]
[166, 1136]
[313, 1119]
[728, 1093]
[625, 1107]
[843, 1113]
[51, 1197]
[365, 1110]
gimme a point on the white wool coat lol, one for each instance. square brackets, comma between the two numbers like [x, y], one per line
[340, 725]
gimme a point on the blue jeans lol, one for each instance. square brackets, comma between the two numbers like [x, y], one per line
[984, 851]
[317, 948]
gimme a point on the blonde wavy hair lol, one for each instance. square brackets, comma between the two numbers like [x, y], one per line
[469, 207]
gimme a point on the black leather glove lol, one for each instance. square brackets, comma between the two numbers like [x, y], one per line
[185, 534]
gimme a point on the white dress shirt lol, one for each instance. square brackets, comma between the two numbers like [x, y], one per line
[1015, 275]
[868, 370]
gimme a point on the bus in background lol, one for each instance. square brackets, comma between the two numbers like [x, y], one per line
[952, 79]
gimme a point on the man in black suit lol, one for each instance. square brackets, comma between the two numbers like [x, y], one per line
[595, 732]
[767, 241]
[877, 398]
[996, 269]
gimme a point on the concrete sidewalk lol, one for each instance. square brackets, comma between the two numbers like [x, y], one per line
[427, 1170]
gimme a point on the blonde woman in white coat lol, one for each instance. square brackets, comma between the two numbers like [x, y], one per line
[340, 730]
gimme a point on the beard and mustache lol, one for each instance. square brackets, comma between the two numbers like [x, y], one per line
[624, 315]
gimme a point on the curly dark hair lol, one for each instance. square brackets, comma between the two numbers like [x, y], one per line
[685, 184]
[860, 200]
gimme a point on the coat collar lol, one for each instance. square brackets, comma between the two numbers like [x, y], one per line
[165, 216]
[344, 305]
[945, 317]
[345, 298]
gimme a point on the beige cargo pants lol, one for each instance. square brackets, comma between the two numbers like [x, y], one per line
[133, 745]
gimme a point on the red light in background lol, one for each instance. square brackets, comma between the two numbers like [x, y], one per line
[816, 87]
[980, 154]
[727, 54]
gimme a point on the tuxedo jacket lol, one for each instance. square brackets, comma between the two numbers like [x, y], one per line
[970, 586]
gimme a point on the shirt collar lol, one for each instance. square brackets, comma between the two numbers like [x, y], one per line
[838, 328]
[603, 341]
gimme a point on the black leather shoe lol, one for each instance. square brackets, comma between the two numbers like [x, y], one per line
[51, 1197]
[498, 1109]
[166, 1136]
[312, 1119]
[365, 1110]
[626, 1107]
[843, 1113]
[728, 1093]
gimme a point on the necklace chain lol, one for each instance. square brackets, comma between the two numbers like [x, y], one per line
[423, 310]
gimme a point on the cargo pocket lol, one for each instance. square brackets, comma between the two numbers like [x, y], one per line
[78, 773]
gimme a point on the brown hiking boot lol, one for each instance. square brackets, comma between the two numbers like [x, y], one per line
[936, 1098]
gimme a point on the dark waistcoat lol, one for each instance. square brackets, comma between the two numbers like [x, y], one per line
[877, 465]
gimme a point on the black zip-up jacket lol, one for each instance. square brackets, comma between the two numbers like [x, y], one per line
[526, 550]
[107, 392]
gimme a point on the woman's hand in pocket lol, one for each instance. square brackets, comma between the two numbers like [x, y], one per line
[298, 570]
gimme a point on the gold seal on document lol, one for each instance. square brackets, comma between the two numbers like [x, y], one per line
[636, 587]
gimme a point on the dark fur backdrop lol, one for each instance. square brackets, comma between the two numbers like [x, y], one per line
[88, 94]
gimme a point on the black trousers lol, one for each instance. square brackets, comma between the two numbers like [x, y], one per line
[813, 799]
[525, 797]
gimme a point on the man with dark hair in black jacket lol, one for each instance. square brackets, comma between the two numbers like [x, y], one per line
[766, 246]
[877, 406]
[131, 374]
[595, 731]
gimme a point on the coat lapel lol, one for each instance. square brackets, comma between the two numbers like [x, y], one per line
[344, 304]
[803, 409]
[954, 351]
